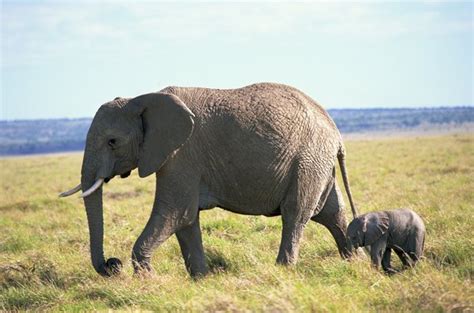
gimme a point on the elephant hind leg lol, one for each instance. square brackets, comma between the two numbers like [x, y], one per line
[338, 232]
[297, 209]
[404, 257]
[415, 246]
[332, 217]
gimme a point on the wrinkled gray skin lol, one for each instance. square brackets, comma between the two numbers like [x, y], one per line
[265, 149]
[401, 230]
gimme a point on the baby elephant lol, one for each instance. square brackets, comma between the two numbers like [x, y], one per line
[401, 230]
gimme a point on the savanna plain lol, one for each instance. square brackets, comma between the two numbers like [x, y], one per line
[44, 250]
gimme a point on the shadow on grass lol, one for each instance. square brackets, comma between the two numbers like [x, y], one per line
[217, 262]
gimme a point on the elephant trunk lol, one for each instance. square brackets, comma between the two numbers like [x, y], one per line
[94, 210]
[95, 219]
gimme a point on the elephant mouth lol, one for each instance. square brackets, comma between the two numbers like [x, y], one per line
[123, 175]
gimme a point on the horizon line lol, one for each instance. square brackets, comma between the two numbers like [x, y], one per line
[468, 106]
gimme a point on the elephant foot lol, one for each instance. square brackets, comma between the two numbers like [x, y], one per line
[286, 259]
[390, 271]
[142, 268]
[346, 254]
[197, 270]
[196, 275]
[357, 254]
[112, 267]
[144, 274]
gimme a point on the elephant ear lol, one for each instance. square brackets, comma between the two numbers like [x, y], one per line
[167, 124]
[374, 226]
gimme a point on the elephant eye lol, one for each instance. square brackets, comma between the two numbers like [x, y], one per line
[112, 142]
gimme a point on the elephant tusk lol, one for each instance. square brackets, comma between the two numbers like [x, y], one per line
[94, 187]
[70, 192]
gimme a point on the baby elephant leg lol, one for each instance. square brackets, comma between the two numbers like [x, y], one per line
[404, 257]
[377, 251]
[415, 246]
[386, 262]
[411, 252]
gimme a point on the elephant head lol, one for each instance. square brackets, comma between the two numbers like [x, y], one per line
[141, 132]
[366, 229]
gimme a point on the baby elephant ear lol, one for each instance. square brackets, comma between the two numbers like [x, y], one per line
[167, 124]
[375, 225]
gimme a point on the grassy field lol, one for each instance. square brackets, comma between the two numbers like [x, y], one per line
[44, 253]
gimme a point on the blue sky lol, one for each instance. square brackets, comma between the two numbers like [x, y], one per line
[66, 58]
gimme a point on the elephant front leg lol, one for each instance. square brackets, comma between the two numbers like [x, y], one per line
[159, 228]
[377, 251]
[190, 241]
[175, 209]
[386, 262]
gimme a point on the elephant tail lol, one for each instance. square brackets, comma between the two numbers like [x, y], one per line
[341, 157]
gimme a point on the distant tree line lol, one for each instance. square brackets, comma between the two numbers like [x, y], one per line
[58, 135]
[43, 136]
[367, 120]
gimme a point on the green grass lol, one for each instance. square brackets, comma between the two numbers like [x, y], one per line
[44, 253]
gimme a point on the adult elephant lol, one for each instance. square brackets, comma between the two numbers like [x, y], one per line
[264, 149]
